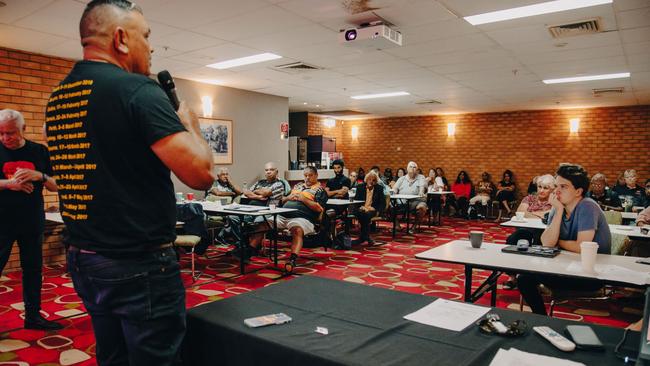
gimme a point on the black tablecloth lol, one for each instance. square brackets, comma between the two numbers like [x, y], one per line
[366, 327]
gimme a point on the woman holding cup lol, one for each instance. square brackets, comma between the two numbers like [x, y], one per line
[575, 224]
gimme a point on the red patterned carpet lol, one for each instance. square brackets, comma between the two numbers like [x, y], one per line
[389, 264]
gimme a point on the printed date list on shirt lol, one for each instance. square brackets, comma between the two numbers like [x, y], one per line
[69, 146]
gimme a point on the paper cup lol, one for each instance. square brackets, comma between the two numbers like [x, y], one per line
[588, 253]
[519, 215]
[190, 196]
[272, 207]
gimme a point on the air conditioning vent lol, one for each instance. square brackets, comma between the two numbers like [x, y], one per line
[589, 26]
[428, 101]
[607, 91]
[296, 67]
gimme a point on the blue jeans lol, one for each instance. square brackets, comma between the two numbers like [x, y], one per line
[137, 305]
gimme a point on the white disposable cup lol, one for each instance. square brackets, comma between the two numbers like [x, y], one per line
[519, 215]
[588, 252]
[217, 202]
[440, 189]
[272, 207]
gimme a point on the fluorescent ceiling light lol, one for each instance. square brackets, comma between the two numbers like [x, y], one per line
[531, 10]
[244, 61]
[588, 78]
[381, 95]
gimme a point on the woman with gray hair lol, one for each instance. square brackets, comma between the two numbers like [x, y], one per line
[536, 206]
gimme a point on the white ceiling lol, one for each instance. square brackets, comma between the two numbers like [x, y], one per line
[491, 67]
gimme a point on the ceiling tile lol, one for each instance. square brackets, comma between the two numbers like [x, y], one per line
[59, 18]
[17, 9]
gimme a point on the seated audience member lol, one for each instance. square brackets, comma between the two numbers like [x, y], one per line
[399, 174]
[505, 192]
[223, 187]
[353, 179]
[413, 183]
[441, 181]
[361, 175]
[263, 193]
[537, 205]
[338, 186]
[605, 197]
[384, 187]
[309, 199]
[573, 219]
[620, 183]
[462, 189]
[644, 217]
[374, 203]
[387, 178]
[532, 186]
[647, 193]
[484, 189]
[632, 189]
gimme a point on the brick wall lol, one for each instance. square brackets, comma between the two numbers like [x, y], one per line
[26, 81]
[529, 143]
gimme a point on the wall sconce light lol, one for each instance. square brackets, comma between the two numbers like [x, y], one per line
[574, 126]
[355, 132]
[329, 122]
[451, 129]
[206, 102]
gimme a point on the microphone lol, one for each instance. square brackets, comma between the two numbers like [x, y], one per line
[167, 83]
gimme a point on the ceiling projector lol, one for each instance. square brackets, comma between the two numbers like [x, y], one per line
[375, 36]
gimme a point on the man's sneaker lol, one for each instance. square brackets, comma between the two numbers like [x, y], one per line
[38, 322]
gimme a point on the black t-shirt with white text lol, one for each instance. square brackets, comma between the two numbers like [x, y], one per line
[116, 195]
[17, 207]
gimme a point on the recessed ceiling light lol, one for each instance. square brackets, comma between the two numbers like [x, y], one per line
[531, 10]
[262, 57]
[587, 78]
[317, 105]
[304, 103]
[381, 95]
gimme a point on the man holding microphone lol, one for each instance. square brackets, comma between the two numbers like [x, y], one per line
[113, 138]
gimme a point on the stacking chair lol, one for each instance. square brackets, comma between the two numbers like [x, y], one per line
[188, 241]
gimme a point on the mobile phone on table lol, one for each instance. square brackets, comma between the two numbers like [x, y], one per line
[264, 320]
[584, 337]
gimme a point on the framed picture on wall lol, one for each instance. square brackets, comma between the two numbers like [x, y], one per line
[218, 134]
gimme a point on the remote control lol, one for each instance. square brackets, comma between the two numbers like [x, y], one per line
[555, 338]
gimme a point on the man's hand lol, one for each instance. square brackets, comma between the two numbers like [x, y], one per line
[14, 185]
[559, 207]
[27, 175]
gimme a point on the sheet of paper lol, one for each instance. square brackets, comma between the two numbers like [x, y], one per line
[447, 314]
[515, 357]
